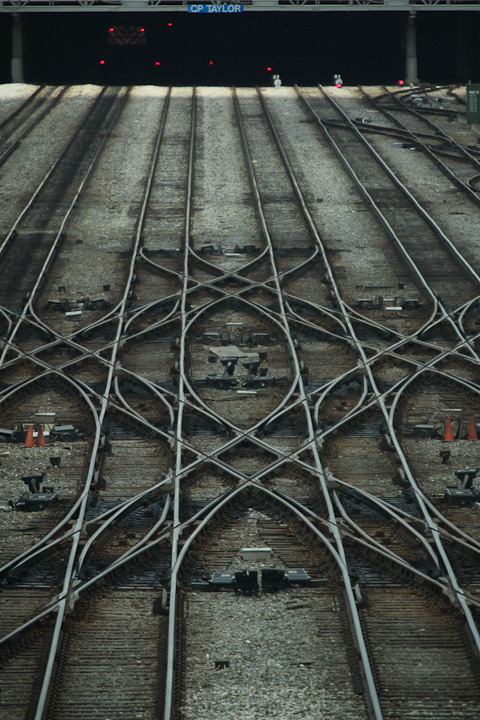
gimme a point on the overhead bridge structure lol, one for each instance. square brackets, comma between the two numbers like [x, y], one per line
[14, 6]
[17, 7]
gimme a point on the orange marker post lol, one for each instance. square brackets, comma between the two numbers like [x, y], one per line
[29, 440]
[448, 431]
[472, 433]
[40, 437]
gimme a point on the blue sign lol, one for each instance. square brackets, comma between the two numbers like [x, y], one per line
[215, 8]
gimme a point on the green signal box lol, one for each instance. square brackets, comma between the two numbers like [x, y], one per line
[473, 103]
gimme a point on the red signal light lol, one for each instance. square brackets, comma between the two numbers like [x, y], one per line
[269, 69]
[157, 63]
[110, 29]
[211, 62]
[401, 82]
[102, 62]
[170, 24]
[142, 29]
[338, 84]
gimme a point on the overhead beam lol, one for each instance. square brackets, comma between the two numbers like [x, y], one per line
[48, 6]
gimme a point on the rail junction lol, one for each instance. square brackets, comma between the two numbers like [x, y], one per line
[247, 323]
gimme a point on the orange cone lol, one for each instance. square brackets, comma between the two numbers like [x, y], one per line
[40, 438]
[448, 431]
[472, 433]
[29, 440]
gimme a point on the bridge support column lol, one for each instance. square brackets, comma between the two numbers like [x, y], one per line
[17, 49]
[411, 77]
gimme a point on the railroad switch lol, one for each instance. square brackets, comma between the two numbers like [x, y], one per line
[210, 250]
[211, 337]
[252, 366]
[221, 382]
[273, 579]
[464, 495]
[229, 364]
[466, 477]
[424, 431]
[260, 381]
[387, 443]
[246, 580]
[245, 249]
[222, 580]
[400, 477]
[277, 578]
[40, 499]
[67, 433]
[6, 435]
[260, 339]
[459, 496]
[36, 502]
[33, 481]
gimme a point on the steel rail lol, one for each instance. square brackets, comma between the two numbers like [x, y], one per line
[186, 403]
[14, 145]
[449, 245]
[169, 681]
[418, 537]
[372, 701]
[475, 636]
[416, 89]
[431, 152]
[438, 130]
[38, 550]
[13, 230]
[340, 561]
[44, 692]
[71, 597]
[260, 215]
[293, 382]
[411, 265]
[106, 526]
[233, 442]
[184, 382]
[466, 541]
[81, 497]
[22, 107]
[28, 308]
[152, 388]
[184, 278]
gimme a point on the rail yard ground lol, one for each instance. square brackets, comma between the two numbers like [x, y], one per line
[248, 322]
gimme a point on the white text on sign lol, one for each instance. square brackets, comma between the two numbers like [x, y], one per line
[215, 8]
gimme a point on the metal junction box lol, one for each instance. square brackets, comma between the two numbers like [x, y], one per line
[222, 579]
[297, 576]
[37, 502]
[273, 578]
[459, 496]
[246, 580]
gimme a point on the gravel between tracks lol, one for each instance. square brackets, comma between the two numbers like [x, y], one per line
[277, 669]
[12, 96]
[104, 224]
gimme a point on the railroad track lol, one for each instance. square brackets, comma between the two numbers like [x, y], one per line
[241, 382]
